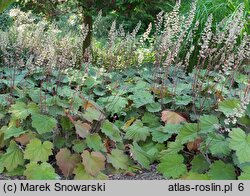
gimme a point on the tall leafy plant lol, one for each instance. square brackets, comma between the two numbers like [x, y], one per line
[4, 4]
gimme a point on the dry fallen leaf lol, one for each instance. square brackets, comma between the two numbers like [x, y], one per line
[109, 145]
[82, 129]
[169, 117]
[87, 105]
[67, 161]
[129, 174]
[129, 122]
[160, 92]
[195, 144]
[25, 138]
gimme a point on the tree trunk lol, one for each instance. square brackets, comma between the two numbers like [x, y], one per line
[87, 22]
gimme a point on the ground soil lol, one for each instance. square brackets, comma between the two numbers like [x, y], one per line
[142, 175]
[151, 174]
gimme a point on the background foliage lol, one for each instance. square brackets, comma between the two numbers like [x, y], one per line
[171, 90]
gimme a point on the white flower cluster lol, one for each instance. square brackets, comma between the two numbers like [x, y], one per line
[146, 33]
[14, 12]
[121, 31]
[41, 40]
[190, 41]
[21, 17]
[229, 63]
[140, 57]
[112, 34]
[234, 28]
[136, 29]
[174, 32]
[206, 37]
[97, 21]
[230, 119]
[159, 22]
[227, 130]
[72, 20]
[224, 129]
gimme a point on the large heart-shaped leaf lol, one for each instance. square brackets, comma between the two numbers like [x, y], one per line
[93, 114]
[151, 120]
[153, 107]
[159, 136]
[240, 142]
[188, 133]
[137, 132]
[67, 161]
[229, 106]
[174, 147]
[81, 174]
[13, 157]
[183, 100]
[110, 130]
[43, 123]
[140, 155]
[141, 98]
[93, 162]
[218, 144]
[94, 141]
[38, 151]
[82, 129]
[245, 174]
[118, 159]
[43, 171]
[171, 165]
[221, 171]
[114, 104]
[208, 123]
[21, 111]
[199, 164]
[12, 132]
